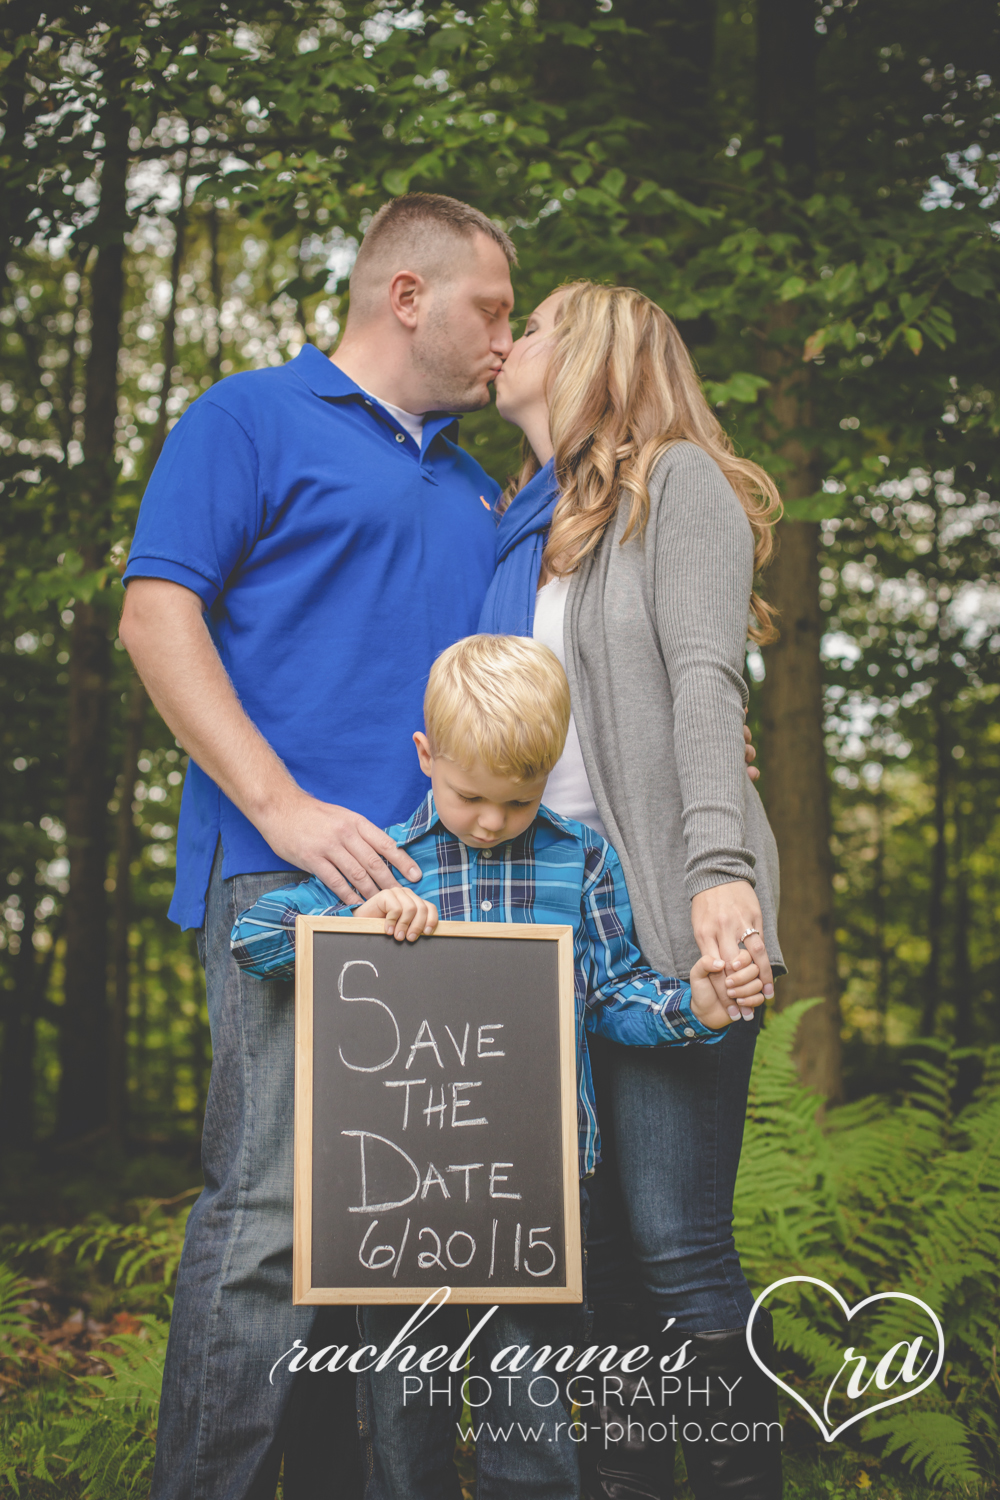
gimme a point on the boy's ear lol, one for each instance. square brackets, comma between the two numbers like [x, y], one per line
[423, 751]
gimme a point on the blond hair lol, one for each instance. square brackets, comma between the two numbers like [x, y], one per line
[622, 390]
[499, 699]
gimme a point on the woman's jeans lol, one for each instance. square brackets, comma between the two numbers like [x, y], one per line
[223, 1422]
[661, 1203]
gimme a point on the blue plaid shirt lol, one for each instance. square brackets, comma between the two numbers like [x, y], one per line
[556, 871]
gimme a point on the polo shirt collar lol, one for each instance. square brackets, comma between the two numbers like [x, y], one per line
[321, 375]
[327, 380]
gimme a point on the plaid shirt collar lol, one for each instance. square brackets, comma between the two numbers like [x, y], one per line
[426, 815]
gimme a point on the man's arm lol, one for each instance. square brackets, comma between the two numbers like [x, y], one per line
[163, 630]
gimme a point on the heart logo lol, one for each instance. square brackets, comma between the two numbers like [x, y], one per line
[849, 1312]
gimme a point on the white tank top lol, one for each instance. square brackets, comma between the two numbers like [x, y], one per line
[567, 790]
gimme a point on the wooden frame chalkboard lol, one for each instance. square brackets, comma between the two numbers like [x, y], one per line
[454, 998]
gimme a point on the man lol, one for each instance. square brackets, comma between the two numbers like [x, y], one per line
[295, 516]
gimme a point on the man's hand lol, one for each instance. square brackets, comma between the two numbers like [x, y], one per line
[163, 630]
[406, 914]
[346, 851]
[720, 916]
[743, 985]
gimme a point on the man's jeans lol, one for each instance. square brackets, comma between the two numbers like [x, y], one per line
[661, 1203]
[409, 1422]
[223, 1423]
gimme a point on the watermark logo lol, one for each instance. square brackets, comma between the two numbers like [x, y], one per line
[852, 1378]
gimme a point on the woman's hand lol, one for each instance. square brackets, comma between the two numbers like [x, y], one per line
[720, 916]
[406, 915]
[742, 986]
[749, 753]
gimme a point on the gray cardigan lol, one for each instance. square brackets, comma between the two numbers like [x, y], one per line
[655, 637]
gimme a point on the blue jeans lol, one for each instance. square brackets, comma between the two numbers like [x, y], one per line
[661, 1203]
[409, 1421]
[223, 1424]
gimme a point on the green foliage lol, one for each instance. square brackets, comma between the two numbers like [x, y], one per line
[14, 1291]
[111, 1435]
[881, 1196]
[153, 1244]
[98, 1432]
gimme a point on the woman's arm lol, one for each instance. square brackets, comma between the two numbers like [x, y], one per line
[704, 574]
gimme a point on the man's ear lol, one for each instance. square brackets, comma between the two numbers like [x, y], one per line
[405, 291]
[424, 755]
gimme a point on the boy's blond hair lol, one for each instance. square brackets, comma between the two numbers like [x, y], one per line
[499, 699]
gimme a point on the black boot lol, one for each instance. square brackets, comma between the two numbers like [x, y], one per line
[723, 1467]
[621, 1462]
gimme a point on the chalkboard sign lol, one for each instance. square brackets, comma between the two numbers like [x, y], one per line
[435, 1114]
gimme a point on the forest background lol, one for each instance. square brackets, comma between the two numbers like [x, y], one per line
[810, 190]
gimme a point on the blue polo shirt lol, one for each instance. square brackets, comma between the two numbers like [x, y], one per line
[335, 562]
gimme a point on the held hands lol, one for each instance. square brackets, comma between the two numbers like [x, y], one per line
[743, 985]
[720, 916]
[406, 915]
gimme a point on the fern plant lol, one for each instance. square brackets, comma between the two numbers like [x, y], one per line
[878, 1196]
[111, 1437]
[14, 1293]
[93, 1435]
[881, 1196]
[151, 1245]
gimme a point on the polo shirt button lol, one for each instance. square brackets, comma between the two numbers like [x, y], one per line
[486, 854]
[400, 437]
[688, 1031]
[488, 906]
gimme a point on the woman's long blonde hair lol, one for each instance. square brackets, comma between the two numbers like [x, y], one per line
[622, 389]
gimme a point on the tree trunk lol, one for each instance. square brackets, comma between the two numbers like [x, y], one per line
[794, 753]
[215, 279]
[120, 951]
[962, 978]
[939, 873]
[787, 47]
[170, 321]
[142, 1037]
[795, 783]
[963, 982]
[795, 780]
[17, 202]
[660, 79]
[83, 1092]
[879, 914]
[17, 1060]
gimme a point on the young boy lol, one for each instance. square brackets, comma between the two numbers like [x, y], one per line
[496, 713]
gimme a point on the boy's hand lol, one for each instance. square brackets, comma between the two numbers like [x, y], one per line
[406, 915]
[743, 988]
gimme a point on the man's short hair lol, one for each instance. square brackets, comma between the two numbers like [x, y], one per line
[407, 232]
[499, 699]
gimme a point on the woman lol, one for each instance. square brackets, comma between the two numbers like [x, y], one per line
[630, 546]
